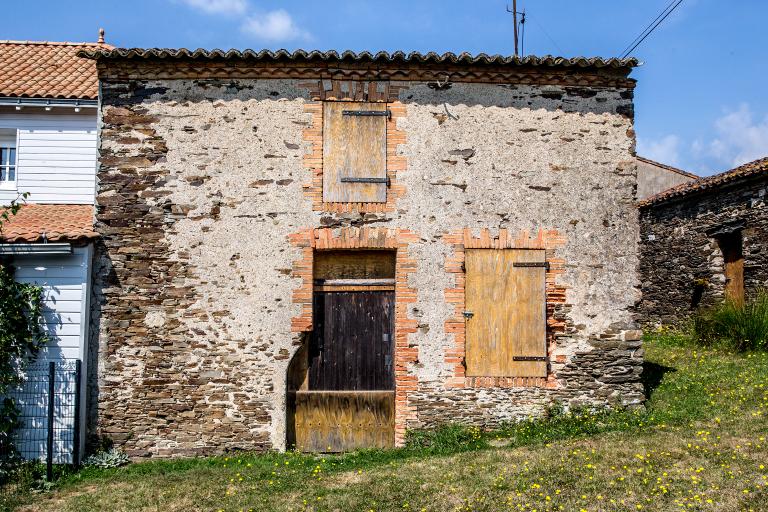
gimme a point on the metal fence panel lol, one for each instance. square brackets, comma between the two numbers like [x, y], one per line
[33, 398]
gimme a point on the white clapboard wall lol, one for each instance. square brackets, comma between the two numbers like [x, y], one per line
[65, 283]
[56, 154]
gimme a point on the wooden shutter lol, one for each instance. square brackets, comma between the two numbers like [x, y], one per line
[354, 147]
[506, 295]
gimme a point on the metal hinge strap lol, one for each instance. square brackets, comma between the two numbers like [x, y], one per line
[529, 264]
[529, 358]
[385, 113]
[365, 180]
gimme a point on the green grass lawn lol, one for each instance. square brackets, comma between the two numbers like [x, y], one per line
[699, 445]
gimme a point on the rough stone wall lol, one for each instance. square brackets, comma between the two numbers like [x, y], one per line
[681, 264]
[202, 182]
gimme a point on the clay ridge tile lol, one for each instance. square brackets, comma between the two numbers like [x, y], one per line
[333, 56]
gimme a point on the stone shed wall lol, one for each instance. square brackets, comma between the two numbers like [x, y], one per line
[681, 264]
[205, 206]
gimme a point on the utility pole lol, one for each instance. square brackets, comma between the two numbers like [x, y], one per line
[514, 20]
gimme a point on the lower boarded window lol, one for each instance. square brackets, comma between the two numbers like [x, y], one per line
[505, 296]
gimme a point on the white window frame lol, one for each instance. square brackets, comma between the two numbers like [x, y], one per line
[11, 184]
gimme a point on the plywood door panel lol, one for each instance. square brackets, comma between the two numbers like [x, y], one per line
[337, 421]
[351, 347]
[508, 306]
[354, 147]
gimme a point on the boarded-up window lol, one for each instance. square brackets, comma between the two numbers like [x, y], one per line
[354, 152]
[506, 313]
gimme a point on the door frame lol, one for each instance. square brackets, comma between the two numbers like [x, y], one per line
[308, 241]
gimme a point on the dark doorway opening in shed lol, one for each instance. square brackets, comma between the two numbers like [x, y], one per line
[731, 245]
[348, 400]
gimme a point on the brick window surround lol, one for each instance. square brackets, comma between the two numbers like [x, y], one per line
[549, 240]
[311, 240]
[349, 90]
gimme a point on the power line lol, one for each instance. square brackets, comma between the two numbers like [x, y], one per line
[562, 53]
[635, 40]
[650, 28]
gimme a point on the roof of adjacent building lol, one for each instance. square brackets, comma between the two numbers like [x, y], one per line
[51, 223]
[350, 56]
[43, 69]
[667, 167]
[746, 171]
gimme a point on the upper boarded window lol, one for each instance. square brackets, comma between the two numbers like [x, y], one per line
[354, 152]
[506, 313]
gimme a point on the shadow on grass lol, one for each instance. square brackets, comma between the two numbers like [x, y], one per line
[652, 376]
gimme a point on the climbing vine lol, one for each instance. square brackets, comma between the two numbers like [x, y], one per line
[21, 337]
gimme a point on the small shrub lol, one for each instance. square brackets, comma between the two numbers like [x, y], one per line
[112, 458]
[739, 326]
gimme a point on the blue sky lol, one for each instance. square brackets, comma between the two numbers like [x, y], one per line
[701, 101]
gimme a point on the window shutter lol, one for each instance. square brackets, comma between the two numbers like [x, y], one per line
[354, 148]
[506, 308]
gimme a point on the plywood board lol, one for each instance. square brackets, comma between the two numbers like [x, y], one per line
[354, 147]
[338, 421]
[508, 307]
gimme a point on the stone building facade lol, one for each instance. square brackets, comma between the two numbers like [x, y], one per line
[212, 213]
[703, 241]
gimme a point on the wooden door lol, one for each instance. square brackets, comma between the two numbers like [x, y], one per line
[506, 313]
[350, 400]
[733, 262]
[352, 343]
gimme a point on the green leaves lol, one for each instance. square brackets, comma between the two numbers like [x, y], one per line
[21, 337]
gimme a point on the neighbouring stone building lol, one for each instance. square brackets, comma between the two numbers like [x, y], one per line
[654, 177]
[328, 249]
[704, 241]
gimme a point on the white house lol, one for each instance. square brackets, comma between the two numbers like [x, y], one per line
[48, 142]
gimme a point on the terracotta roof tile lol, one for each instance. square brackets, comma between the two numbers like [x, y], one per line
[749, 170]
[57, 222]
[41, 69]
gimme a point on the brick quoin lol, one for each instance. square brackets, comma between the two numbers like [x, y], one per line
[311, 240]
[549, 240]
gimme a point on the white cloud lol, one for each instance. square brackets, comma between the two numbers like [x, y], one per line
[273, 26]
[230, 7]
[740, 138]
[665, 150]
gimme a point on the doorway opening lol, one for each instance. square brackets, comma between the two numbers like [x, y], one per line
[347, 400]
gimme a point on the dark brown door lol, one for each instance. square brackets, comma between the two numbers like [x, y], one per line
[352, 342]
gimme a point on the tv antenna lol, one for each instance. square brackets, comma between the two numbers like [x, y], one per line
[518, 26]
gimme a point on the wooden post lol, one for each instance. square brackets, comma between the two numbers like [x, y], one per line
[51, 405]
[514, 18]
[76, 425]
